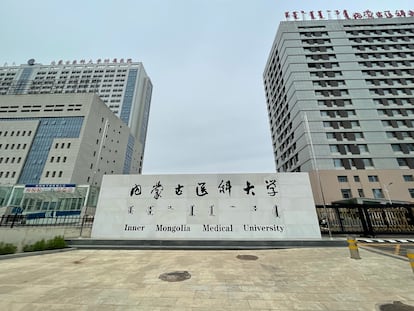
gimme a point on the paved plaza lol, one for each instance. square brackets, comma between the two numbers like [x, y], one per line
[279, 279]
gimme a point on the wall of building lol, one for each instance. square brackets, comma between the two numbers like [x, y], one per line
[353, 79]
[395, 185]
[62, 138]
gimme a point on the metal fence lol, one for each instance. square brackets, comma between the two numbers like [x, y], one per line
[62, 221]
[367, 220]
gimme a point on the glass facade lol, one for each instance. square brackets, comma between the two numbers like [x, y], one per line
[128, 155]
[24, 80]
[47, 131]
[128, 96]
[144, 124]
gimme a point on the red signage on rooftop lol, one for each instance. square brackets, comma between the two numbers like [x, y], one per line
[345, 14]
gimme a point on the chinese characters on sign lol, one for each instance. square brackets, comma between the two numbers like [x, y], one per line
[201, 189]
[206, 206]
[345, 14]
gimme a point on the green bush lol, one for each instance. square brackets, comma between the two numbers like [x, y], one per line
[7, 248]
[55, 243]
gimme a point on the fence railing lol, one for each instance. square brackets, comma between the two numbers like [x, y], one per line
[62, 221]
[367, 220]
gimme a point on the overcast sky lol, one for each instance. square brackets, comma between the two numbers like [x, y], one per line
[205, 59]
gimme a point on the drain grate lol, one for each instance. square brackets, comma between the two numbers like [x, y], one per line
[247, 257]
[176, 276]
[395, 306]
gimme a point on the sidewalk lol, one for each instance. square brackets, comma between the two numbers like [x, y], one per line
[280, 279]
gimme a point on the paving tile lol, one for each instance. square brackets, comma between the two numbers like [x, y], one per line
[291, 279]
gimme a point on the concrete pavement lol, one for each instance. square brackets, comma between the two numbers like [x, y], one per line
[280, 279]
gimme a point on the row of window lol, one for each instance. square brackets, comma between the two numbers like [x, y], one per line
[387, 31]
[13, 146]
[341, 124]
[376, 192]
[325, 65]
[358, 163]
[57, 159]
[393, 63]
[328, 93]
[381, 39]
[384, 55]
[335, 102]
[338, 113]
[397, 123]
[53, 174]
[384, 47]
[346, 136]
[15, 133]
[327, 83]
[349, 149]
[404, 148]
[395, 112]
[390, 91]
[396, 101]
[62, 145]
[400, 135]
[328, 74]
[7, 174]
[10, 160]
[353, 163]
[316, 41]
[380, 82]
[372, 178]
[320, 56]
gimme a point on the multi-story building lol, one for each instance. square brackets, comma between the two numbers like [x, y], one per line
[63, 139]
[122, 84]
[340, 99]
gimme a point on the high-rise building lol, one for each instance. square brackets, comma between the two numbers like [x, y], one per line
[63, 139]
[122, 84]
[340, 99]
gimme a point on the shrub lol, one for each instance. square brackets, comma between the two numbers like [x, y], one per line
[55, 243]
[7, 248]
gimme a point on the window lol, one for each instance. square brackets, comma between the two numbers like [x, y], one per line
[346, 193]
[411, 191]
[402, 162]
[342, 178]
[361, 193]
[356, 178]
[338, 163]
[408, 177]
[334, 148]
[363, 148]
[373, 178]
[367, 162]
[396, 147]
[377, 193]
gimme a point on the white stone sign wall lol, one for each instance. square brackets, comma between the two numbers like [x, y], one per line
[208, 207]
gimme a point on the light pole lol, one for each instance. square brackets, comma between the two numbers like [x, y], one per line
[388, 192]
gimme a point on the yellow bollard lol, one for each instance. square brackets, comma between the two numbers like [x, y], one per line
[410, 255]
[353, 247]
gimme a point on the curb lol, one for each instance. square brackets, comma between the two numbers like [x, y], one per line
[27, 254]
